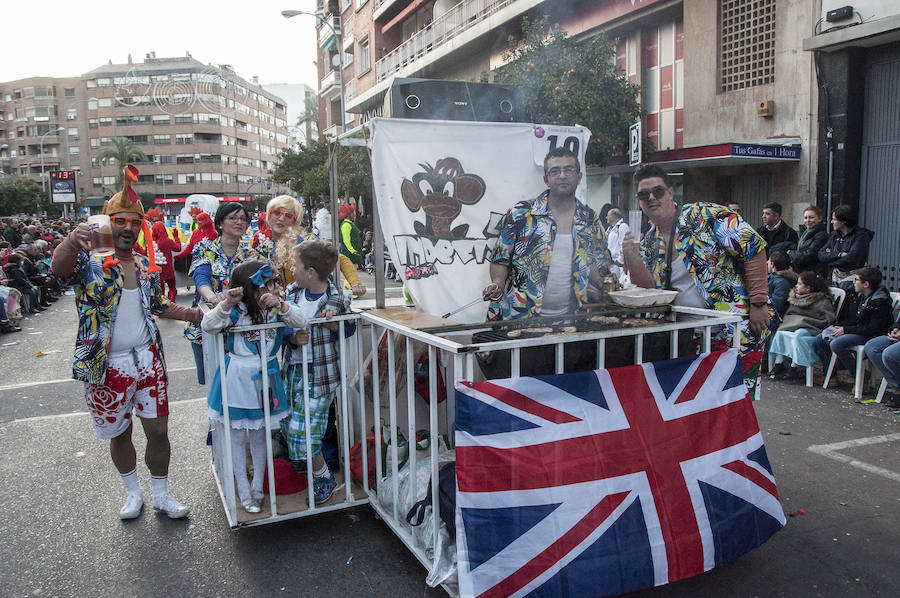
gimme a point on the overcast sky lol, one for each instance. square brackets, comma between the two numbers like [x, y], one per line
[59, 38]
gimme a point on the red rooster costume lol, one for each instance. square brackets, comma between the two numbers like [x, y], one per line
[165, 247]
[205, 230]
[263, 232]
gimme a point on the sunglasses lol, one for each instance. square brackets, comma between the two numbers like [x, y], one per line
[123, 222]
[658, 192]
[279, 214]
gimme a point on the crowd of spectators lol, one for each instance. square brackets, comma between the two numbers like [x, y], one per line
[804, 271]
[27, 286]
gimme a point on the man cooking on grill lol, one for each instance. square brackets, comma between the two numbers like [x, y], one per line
[718, 261]
[550, 249]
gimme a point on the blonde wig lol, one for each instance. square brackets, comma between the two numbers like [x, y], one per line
[284, 260]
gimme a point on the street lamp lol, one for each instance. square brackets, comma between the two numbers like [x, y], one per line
[43, 186]
[332, 167]
[69, 107]
[321, 20]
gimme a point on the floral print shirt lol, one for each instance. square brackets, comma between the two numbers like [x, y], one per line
[527, 233]
[97, 294]
[714, 243]
[210, 253]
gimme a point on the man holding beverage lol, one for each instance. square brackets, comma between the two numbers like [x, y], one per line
[118, 349]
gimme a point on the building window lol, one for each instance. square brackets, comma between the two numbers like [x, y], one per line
[69, 92]
[162, 139]
[109, 180]
[98, 181]
[360, 3]
[184, 159]
[184, 138]
[105, 102]
[746, 43]
[106, 122]
[160, 119]
[164, 179]
[162, 159]
[345, 4]
[364, 60]
[93, 123]
[74, 149]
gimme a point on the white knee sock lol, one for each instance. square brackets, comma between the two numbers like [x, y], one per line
[258, 455]
[159, 485]
[239, 461]
[130, 479]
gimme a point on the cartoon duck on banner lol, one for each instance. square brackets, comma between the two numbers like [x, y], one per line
[127, 200]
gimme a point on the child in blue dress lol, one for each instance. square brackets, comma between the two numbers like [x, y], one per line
[253, 297]
[316, 297]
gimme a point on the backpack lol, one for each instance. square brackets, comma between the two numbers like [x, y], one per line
[446, 500]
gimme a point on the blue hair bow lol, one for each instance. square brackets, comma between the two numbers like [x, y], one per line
[264, 272]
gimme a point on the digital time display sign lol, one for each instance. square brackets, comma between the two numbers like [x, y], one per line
[62, 186]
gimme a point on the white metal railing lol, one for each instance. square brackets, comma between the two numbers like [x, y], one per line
[349, 414]
[378, 394]
[458, 19]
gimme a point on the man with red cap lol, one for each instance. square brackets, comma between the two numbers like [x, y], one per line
[351, 242]
[118, 349]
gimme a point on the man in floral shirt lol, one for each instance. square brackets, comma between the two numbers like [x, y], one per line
[118, 350]
[550, 249]
[719, 262]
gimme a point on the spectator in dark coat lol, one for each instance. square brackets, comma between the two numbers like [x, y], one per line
[812, 239]
[18, 280]
[848, 246]
[777, 234]
[873, 318]
[781, 280]
[11, 233]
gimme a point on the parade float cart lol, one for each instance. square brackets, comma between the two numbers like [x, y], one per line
[384, 390]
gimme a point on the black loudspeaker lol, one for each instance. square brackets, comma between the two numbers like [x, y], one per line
[436, 99]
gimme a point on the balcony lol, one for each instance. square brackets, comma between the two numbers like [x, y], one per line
[444, 28]
[325, 33]
[332, 131]
[330, 85]
[382, 6]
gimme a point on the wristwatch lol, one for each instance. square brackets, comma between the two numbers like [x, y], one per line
[758, 304]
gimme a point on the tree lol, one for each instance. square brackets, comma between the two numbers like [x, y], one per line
[20, 195]
[564, 81]
[123, 151]
[310, 117]
[306, 170]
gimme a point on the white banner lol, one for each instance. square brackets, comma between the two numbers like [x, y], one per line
[441, 188]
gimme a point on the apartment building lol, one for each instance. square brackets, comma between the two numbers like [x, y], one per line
[729, 92]
[203, 128]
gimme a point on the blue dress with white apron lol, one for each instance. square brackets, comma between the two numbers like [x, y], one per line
[243, 378]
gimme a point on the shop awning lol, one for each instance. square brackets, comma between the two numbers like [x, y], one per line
[781, 150]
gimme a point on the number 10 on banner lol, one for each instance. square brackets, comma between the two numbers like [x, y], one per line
[634, 144]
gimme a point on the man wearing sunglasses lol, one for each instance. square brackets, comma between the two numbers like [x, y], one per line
[718, 260]
[118, 350]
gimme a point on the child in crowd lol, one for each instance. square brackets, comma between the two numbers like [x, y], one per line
[781, 280]
[872, 318]
[811, 311]
[316, 297]
[253, 297]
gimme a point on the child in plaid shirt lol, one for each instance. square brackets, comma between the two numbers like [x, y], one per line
[317, 297]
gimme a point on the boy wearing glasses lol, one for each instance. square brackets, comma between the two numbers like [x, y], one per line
[718, 261]
[118, 350]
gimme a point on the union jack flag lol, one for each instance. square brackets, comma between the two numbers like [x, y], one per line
[604, 482]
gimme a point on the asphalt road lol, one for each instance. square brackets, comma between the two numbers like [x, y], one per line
[62, 536]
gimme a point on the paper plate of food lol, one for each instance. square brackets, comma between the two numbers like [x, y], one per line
[638, 297]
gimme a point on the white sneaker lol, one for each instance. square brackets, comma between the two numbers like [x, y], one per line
[133, 505]
[170, 506]
[251, 505]
[257, 495]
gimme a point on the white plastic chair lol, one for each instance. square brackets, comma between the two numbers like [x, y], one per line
[860, 355]
[895, 303]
